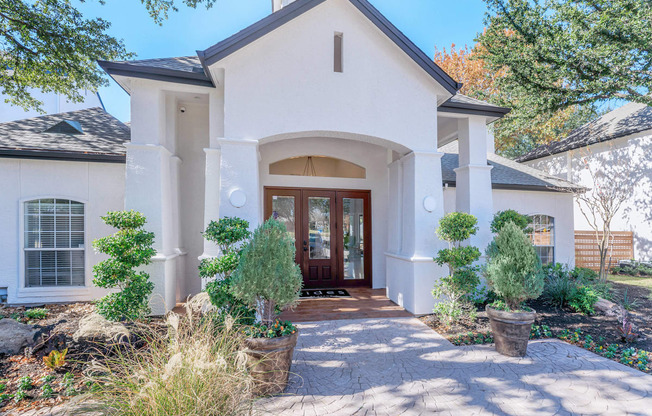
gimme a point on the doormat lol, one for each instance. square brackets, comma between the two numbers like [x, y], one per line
[324, 293]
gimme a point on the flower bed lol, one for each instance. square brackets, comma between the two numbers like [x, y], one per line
[637, 358]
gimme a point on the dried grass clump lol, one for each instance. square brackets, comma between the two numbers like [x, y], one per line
[192, 368]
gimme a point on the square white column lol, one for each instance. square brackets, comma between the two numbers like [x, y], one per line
[473, 178]
[150, 188]
[416, 180]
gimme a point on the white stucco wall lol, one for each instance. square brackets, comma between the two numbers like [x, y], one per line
[99, 185]
[632, 167]
[373, 158]
[192, 139]
[284, 82]
[555, 204]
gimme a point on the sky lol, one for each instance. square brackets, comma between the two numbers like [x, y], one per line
[428, 23]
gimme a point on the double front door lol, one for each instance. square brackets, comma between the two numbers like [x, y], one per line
[332, 232]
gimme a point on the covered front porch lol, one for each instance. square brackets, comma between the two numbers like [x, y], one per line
[363, 303]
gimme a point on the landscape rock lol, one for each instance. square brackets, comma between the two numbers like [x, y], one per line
[607, 307]
[96, 328]
[14, 336]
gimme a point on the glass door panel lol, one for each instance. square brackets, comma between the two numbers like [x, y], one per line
[353, 238]
[283, 210]
[319, 214]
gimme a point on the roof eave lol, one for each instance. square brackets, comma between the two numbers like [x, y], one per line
[62, 156]
[474, 109]
[517, 187]
[156, 74]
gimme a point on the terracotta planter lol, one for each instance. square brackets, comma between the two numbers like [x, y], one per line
[511, 330]
[269, 361]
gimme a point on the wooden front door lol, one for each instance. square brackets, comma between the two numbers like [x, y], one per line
[332, 232]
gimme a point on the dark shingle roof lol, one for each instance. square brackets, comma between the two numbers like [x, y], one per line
[182, 63]
[506, 174]
[103, 137]
[629, 119]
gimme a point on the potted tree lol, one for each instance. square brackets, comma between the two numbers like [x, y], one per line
[514, 273]
[268, 279]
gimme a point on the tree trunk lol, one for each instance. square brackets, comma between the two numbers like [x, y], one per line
[268, 312]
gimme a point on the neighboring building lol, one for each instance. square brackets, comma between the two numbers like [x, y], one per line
[619, 145]
[52, 104]
[322, 115]
[60, 173]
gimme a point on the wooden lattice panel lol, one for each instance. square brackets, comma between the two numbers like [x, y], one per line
[587, 255]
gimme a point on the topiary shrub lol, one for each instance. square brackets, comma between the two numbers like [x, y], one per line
[514, 270]
[503, 217]
[129, 248]
[456, 290]
[267, 278]
[229, 234]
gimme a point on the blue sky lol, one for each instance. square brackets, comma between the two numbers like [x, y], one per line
[429, 23]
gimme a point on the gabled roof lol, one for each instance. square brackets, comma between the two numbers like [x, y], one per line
[297, 8]
[463, 104]
[194, 70]
[102, 140]
[506, 174]
[629, 119]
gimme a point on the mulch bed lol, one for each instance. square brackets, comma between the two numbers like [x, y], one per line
[572, 327]
[28, 368]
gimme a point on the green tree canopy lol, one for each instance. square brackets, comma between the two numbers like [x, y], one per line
[49, 46]
[563, 53]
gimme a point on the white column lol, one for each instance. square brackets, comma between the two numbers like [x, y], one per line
[473, 177]
[239, 180]
[412, 273]
[149, 189]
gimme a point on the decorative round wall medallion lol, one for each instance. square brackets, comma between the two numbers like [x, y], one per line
[429, 203]
[238, 198]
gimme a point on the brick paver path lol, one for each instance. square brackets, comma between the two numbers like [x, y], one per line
[399, 366]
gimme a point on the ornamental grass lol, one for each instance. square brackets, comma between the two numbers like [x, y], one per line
[190, 366]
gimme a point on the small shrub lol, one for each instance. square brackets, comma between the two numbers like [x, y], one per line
[514, 269]
[129, 248]
[584, 300]
[47, 391]
[25, 383]
[228, 234]
[584, 275]
[503, 217]
[633, 268]
[36, 313]
[68, 384]
[194, 368]
[457, 291]
[267, 277]
[559, 289]
[55, 359]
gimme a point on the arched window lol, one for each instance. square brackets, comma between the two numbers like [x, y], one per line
[54, 243]
[543, 237]
[322, 166]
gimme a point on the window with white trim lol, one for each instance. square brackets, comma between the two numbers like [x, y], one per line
[543, 237]
[54, 243]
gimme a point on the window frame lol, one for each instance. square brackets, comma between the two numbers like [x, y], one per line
[63, 293]
[551, 220]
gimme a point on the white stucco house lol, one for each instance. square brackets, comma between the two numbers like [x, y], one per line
[617, 145]
[322, 115]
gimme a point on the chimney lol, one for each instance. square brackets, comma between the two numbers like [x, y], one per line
[279, 4]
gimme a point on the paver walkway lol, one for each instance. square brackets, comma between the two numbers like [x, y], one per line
[399, 366]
